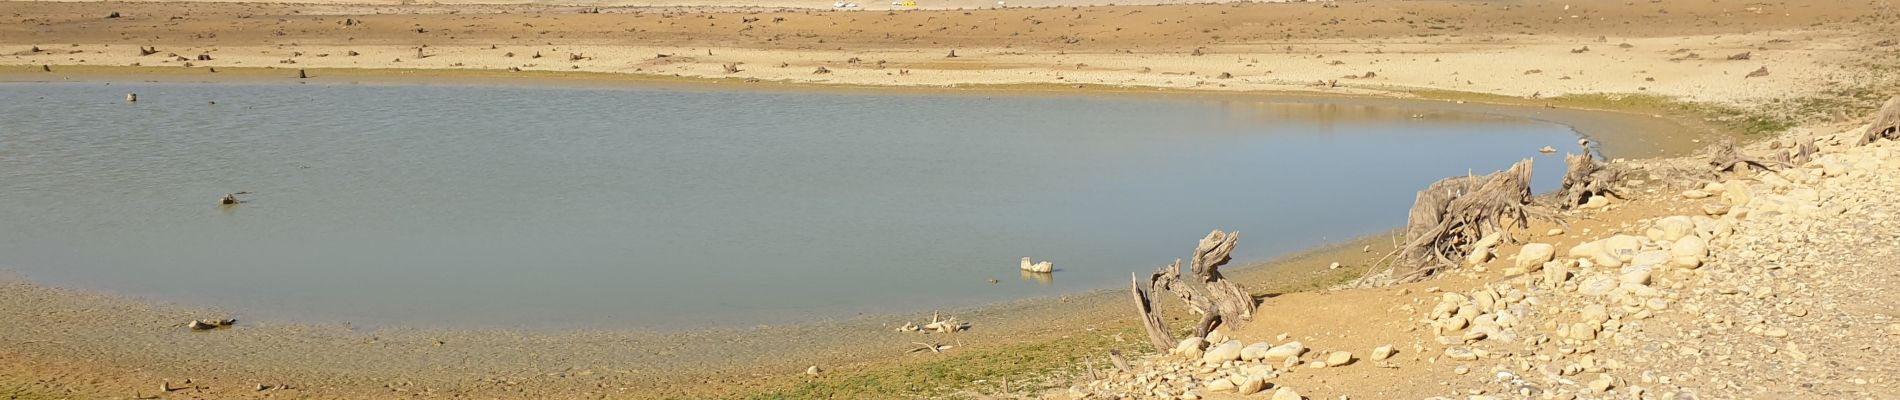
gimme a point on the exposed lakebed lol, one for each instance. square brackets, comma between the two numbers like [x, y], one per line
[663, 208]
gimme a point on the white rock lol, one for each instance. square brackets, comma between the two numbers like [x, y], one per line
[1596, 284]
[1224, 352]
[1288, 350]
[1382, 352]
[1220, 385]
[1534, 255]
[1461, 354]
[1338, 358]
[1190, 347]
[1623, 247]
[1736, 193]
[1635, 274]
[1695, 194]
[1650, 258]
[1252, 385]
[1596, 313]
[1255, 351]
[1286, 394]
[1481, 251]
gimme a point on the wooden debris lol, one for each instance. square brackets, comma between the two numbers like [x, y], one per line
[1728, 157]
[1763, 71]
[1741, 56]
[1886, 123]
[1585, 179]
[209, 324]
[1451, 215]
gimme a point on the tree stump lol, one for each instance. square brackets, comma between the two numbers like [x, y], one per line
[1216, 299]
[1886, 123]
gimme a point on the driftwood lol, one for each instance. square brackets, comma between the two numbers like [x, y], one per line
[1584, 178]
[1157, 331]
[1886, 123]
[1451, 215]
[1728, 156]
[1208, 293]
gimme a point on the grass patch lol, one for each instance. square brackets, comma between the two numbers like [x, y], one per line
[1026, 365]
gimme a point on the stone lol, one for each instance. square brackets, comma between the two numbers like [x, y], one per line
[1338, 358]
[1224, 352]
[1286, 394]
[1603, 383]
[1383, 352]
[1736, 193]
[1220, 385]
[1252, 385]
[1715, 209]
[1690, 246]
[1623, 247]
[1534, 255]
[1461, 354]
[1695, 194]
[1671, 228]
[1595, 313]
[1586, 249]
[1775, 332]
[1288, 350]
[1597, 285]
[1635, 274]
[813, 370]
[1255, 351]
[1190, 347]
[1481, 251]
[1596, 202]
[1650, 258]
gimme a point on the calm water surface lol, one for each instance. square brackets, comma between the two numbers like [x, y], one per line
[665, 208]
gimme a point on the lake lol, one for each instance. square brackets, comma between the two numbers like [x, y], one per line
[663, 208]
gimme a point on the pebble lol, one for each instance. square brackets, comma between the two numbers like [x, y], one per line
[1338, 358]
[1461, 354]
[1534, 255]
[1775, 332]
[1255, 351]
[1286, 394]
[1224, 352]
[1383, 352]
[1252, 385]
[1288, 350]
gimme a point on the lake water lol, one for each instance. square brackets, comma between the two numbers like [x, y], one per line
[669, 207]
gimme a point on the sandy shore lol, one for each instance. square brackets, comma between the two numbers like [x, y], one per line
[1670, 59]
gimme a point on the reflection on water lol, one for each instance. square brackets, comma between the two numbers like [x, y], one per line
[668, 208]
[1044, 278]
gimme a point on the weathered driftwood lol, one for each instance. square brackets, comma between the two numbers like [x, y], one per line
[1728, 157]
[1451, 215]
[1584, 179]
[1886, 123]
[1208, 294]
[1157, 331]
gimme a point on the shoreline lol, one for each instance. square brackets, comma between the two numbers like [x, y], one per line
[1620, 130]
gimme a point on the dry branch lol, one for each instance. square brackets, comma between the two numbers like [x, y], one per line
[1728, 156]
[1157, 330]
[1886, 123]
